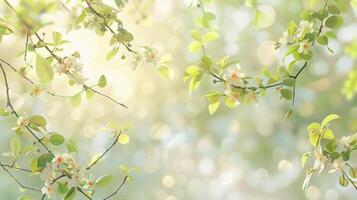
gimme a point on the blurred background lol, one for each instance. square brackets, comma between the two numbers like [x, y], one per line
[251, 152]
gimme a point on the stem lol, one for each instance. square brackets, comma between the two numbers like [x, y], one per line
[59, 60]
[8, 103]
[17, 181]
[107, 26]
[117, 190]
[105, 152]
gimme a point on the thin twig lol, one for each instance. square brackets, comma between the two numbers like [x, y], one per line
[59, 60]
[105, 152]
[13, 111]
[107, 26]
[17, 181]
[117, 190]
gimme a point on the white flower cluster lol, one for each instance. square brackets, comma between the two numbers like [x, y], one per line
[92, 21]
[144, 56]
[347, 141]
[67, 166]
[304, 44]
[337, 164]
[73, 68]
[22, 122]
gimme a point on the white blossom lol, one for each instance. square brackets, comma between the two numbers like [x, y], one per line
[338, 165]
[320, 159]
[49, 190]
[22, 122]
[305, 47]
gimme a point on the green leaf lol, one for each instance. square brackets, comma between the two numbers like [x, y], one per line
[15, 145]
[102, 82]
[207, 18]
[328, 134]
[23, 198]
[329, 119]
[331, 146]
[56, 139]
[290, 82]
[72, 146]
[353, 172]
[343, 181]
[70, 194]
[124, 37]
[62, 187]
[43, 69]
[38, 120]
[196, 35]
[334, 21]
[57, 38]
[43, 160]
[333, 9]
[195, 46]
[210, 36]
[89, 94]
[104, 180]
[214, 100]
[111, 53]
[4, 112]
[286, 94]
[323, 40]
[304, 158]
[163, 71]
[120, 3]
[313, 137]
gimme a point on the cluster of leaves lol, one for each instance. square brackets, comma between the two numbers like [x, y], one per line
[298, 40]
[101, 17]
[60, 172]
[328, 151]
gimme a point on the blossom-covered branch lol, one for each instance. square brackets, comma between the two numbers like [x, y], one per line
[315, 26]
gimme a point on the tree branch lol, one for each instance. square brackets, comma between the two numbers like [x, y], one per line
[117, 190]
[105, 152]
[17, 181]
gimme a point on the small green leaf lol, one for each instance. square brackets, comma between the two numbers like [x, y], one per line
[333, 9]
[62, 187]
[196, 35]
[329, 119]
[304, 158]
[286, 94]
[334, 21]
[43, 160]
[353, 172]
[195, 46]
[328, 134]
[89, 94]
[4, 112]
[104, 180]
[343, 181]
[111, 53]
[72, 146]
[210, 36]
[43, 69]
[102, 82]
[323, 40]
[57, 38]
[38, 120]
[15, 145]
[214, 100]
[56, 139]
[290, 82]
[70, 194]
